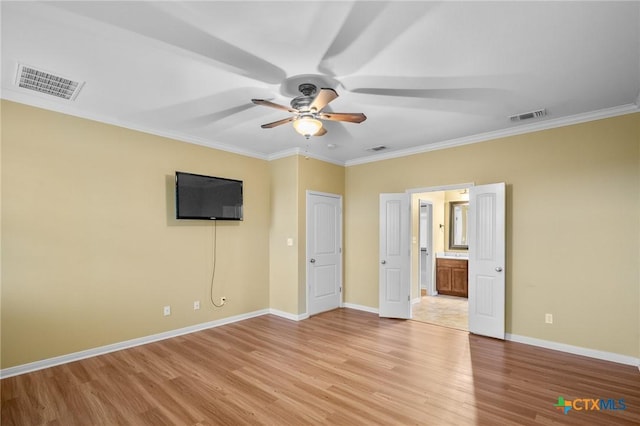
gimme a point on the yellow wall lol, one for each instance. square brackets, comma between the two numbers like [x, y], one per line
[283, 278]
[91, 249]
[572, 226]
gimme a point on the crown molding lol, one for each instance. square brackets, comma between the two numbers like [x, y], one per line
[513, 131]
[38, 102]
[300, 151]
[283, 154]
[63, 108]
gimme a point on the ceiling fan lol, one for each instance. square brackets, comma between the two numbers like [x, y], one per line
[307, 110]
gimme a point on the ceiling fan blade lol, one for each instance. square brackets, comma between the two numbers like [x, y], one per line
[322, 99]
[343, 116]
[208, 119]
[354, 45]
[321, 132]
[264, 102]
[277, 123]
[170, 23]
[463, 93]
[359, 18]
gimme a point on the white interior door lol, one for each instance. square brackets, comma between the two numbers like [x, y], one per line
[487, 260]
[324, 252]
[395, 257]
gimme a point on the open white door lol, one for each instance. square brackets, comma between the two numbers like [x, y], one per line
[487, 260]
[395, 256]
[426, 247]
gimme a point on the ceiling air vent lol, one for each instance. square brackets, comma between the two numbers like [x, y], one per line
[528, 115]
[377, 148]
[41, 81]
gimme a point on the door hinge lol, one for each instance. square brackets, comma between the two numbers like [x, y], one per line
[340, 289]
[409, 298]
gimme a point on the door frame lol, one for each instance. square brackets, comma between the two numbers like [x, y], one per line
[429, 246]
[307, 248]
[438, 188]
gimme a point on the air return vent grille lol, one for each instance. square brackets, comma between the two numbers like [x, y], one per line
[529, 115]
[41, 81]
[377, 148]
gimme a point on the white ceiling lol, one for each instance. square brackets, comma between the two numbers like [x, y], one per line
[426, 74]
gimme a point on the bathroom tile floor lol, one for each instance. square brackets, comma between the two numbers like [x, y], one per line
[447, 311]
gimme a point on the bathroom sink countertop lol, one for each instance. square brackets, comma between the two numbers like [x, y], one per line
[452, 255]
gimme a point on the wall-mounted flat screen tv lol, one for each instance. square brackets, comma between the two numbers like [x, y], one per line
[208, 197]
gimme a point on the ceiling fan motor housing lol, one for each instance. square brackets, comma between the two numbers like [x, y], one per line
[302, 103]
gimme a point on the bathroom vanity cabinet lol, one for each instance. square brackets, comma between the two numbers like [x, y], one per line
[452, 277]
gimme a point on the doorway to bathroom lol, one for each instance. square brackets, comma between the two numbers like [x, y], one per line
[484, 268]
[440, 257]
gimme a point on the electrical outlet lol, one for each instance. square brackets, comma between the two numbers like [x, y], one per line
[223, 300]
[167, 310]
[548, 318]
[196, 305]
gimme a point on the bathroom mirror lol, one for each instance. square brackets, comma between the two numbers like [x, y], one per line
[458, 225]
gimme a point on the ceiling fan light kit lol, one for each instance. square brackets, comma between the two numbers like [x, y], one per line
[308, 111]
[307, 126]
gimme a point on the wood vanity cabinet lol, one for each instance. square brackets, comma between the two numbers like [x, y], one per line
[452, 277]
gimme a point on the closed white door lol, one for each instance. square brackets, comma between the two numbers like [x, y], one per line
[487, 260]
[395, 257]
[324, 252]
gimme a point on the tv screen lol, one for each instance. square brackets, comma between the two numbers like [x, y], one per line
[208, 197]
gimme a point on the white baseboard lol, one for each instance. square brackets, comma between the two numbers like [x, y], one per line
[416, 300]
[361, 308]
[76, 356]
[287, 315]
[576, 350]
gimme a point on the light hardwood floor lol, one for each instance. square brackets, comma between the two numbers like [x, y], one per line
[343, 367]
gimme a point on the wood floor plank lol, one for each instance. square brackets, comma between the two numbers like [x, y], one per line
[343, 367]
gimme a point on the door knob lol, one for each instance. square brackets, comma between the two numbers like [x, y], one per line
[312, 261]
[498, 269]
[383, 262]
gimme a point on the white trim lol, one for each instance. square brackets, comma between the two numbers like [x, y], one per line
[287, 315]
[415, 300]
[284, 154]
[16, 96]
[562, 347]
[76, 356]
[440, 188]
[512, 131]
[179, 137]
[361, 308]
[299, 151]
